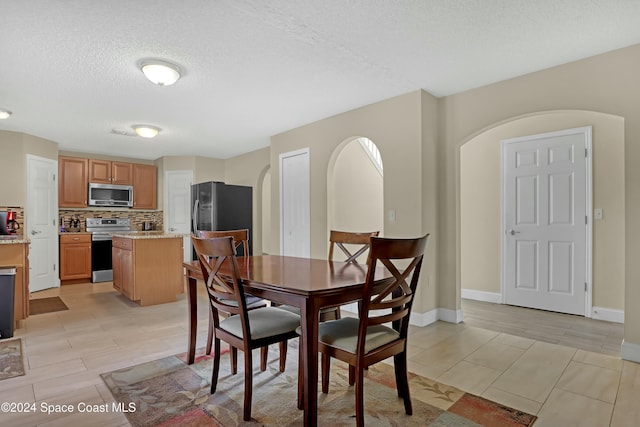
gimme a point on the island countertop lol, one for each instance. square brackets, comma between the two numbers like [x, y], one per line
[147, 235]
[13, 239]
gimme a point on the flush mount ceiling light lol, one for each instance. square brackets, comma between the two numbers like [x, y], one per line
[160, 72]
[146, 131]
[4, 114]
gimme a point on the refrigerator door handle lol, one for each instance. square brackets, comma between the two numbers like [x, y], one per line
[194, 216]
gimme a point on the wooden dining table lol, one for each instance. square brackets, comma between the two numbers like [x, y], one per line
[306, 283]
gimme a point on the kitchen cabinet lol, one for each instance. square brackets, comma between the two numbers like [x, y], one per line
[110, 172]
[148, 269]
[72, 182]
[144, 186]
[17, 255]
[75, 257]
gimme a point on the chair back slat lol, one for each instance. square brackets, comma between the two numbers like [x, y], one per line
[240, 237]
[403, 259]
[225, 290]
[342, 238]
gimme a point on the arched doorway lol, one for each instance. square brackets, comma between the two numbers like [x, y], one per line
[355, 196]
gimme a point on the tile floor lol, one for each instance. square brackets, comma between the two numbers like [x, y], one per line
[65, 353]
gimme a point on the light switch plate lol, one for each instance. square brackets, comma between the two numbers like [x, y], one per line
[597, 213]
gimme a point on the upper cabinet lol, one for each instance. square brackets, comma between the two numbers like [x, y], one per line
[72, 182]
[144, 186]
[108, 172]
[76, 173]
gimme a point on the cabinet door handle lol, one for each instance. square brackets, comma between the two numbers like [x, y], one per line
[76, 238]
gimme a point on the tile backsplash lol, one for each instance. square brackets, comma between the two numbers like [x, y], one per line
[136, 217]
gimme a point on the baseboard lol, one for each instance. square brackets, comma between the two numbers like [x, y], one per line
[422, 319]
[630, 351]
[608, 314]
[494, 297]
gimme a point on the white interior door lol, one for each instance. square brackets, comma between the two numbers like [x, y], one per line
[295, 229]
[41, 215]
[546, 200]
[178, 206]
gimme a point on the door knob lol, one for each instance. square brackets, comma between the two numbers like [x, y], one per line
[34, 232]
[513, 232]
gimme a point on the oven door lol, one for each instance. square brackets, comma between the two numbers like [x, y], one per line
[101, 267]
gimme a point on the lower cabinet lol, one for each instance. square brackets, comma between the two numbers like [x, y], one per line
[75, 256]
[148, 271]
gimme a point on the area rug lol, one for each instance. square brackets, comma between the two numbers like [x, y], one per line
[46, 305]
[168, 392]
[11, 364]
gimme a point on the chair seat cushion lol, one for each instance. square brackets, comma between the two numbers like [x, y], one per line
[264, 322]
[343, 334]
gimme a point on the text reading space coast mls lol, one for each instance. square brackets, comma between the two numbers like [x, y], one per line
[81, 407]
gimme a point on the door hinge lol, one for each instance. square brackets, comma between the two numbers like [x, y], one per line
[54, 177]
[586, 288]
[54, 267]
[586, 152]
[586, 220]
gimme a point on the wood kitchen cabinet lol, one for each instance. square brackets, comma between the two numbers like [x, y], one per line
[110, 172]
[144, 186]
[17, 255]
[75, 256]
[72, 182]
[148, 271]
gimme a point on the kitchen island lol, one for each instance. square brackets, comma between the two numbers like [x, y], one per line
[147, 266]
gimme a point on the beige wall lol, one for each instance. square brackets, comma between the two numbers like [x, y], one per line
[13, 164]
[606, 83]
[355, 197]
[480, 194]
[396, 127]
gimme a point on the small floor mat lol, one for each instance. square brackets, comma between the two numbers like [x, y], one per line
[46, 305]
[11, 364]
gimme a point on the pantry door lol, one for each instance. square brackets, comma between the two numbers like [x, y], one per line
[41, 217]
[547, 226]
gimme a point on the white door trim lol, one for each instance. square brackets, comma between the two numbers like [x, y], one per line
[186, 239]
[587, 132]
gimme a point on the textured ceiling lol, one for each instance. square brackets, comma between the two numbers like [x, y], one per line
[255, 68]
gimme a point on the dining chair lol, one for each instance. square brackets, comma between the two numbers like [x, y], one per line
[340, 239]
[244, 329]
[240, 240]
[364, 341]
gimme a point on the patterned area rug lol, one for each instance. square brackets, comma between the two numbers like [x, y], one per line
[46, 305]
[11, 364]
[167, 392]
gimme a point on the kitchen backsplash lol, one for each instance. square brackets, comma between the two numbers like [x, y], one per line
[136, 217]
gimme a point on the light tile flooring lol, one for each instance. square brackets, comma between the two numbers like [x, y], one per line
[65, 353]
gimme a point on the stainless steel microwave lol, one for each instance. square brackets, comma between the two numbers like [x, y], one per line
[110, 195]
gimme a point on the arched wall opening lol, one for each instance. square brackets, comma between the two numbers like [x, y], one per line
[355, 191]
[479, 225]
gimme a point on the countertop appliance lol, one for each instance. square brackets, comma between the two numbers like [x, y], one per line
[101, 230]
[217, 206]
[12, 222]
[110, 195]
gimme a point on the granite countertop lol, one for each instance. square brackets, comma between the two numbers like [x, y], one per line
[147, 235]
[13, 239]
[74, 232]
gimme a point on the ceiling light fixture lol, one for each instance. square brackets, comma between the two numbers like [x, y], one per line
[146, 131]
[160, 72]
[5, 114]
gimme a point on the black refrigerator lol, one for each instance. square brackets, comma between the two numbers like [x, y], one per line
[217, 206]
